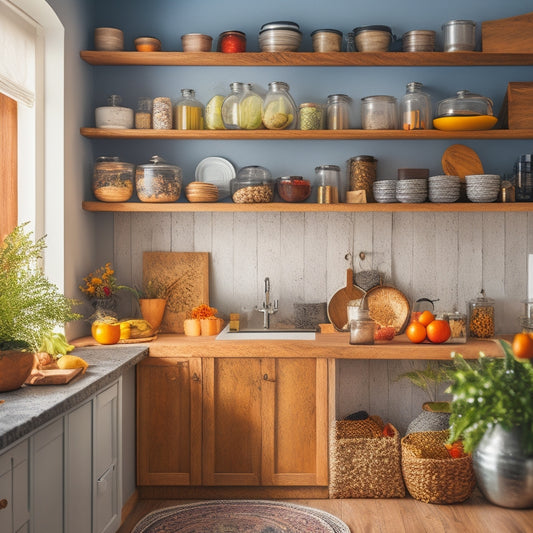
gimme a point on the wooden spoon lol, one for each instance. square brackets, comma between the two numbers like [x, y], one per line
[460, 160]
[338, 304]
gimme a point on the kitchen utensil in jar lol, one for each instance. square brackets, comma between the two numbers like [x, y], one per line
[388, 306]
[459, 35]
[338, 303]
[328, 184]
[415, 108]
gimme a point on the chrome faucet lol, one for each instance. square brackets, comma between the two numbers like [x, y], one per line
[268, 308]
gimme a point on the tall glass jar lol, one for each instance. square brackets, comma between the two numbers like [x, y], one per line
[188, 112]
[481, 317]
[250, 106]
[379, 113]
[230, 106]
[362, 174]
[338, 112]
[143, 113]
[162, 113]
[415, 108]
[329, 178]
[279, 109]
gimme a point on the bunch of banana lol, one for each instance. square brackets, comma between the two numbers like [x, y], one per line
[138, 327]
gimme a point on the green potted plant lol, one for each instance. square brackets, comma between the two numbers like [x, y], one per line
[30, 306]
[492, 412]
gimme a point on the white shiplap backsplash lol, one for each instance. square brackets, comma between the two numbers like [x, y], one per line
[449, 256]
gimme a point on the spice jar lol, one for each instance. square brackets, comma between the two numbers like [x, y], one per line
[232, 41]
[188, 112]
[326, 40]
[481, 317]
[143, 113]
[328, 184]
[415, 108]
[362, 174]
[230, 106]
[310, 116]
[457, 323]
[338, 112]
[362, 327]
[162, 113]
[379, 113]
[279, 109]
[158, 181]
[112, 179]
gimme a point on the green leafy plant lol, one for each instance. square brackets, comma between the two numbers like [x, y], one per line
[30, 305]
[496, 391]
[436, 372]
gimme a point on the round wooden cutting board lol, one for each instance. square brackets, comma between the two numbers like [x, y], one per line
[338, 304]
[460, 160]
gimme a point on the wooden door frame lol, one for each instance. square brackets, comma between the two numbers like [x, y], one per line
[8, 165]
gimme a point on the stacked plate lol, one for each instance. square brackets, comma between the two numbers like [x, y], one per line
[483, 187]
[444, 189]
[198, 191]
[385, 191]
[280, 36]
[413, 191]
[217, 171]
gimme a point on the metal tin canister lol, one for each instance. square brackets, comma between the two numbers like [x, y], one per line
[459, 35]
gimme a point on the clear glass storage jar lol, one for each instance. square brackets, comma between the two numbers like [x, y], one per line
[338, 112]
[379, 112]
[328, 184]
[362, 327]
[250, 106]
[143, 113]
[158, 181]
[230, 106]
[481, 317]
[415, 108]
[362, 174]
[188, 112]
[465, 103]
[112, 179]
[162, 113]
[279, 109]
[253, 185]
[310, 116]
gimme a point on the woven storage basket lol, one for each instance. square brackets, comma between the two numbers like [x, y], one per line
[362, 462]
[430, 474]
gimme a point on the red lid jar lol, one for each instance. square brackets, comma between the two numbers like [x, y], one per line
[231, 42]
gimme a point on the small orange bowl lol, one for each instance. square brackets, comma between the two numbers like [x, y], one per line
[147, 44]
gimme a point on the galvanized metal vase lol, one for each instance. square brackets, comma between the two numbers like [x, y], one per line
[504, 473]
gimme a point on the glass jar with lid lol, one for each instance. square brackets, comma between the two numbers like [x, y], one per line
[415, 108]
[310, 116]
[250, 107]
[112, 179]
[188, 112]
[328, 184]
[465, 103]
[338, 112]
[158, 181]
[279, 109]
[252, 185]
[143, 113]
[481, 317]
[362, 174]
[230, 106]
[114, 115]
[379, 112]
[162, 113]
[362, 326]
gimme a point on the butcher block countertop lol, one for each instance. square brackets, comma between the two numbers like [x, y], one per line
[329, 345]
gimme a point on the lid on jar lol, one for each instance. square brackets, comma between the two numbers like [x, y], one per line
[369, 158]
[334, 168]
[465, 104]
[107, 158]
[237, 33]
[459, 23]
[280, 25]
[327, 30]
[374, 27]
[333, 98]
[157, 162]
[300, 180]
[379, 98]
[254, 174]
[308, 104]
[482, 299]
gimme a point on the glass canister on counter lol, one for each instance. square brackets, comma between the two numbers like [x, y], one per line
[362, 174]
[415, 108]
[230, 106]
[279, 109]
[362, 326]
[143, 113]
[112, 179]
[158, 181]
[338, 112]
[481, 317]
[162, 113]
[328, 184]
[188, 112]
[379, 112]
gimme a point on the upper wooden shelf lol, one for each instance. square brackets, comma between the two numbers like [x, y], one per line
[355, 134]
[307, 59]
[306, 207]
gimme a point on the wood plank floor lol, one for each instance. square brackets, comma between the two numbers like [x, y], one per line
[403, 515]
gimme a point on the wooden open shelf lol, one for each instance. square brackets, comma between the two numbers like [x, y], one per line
[308, 59]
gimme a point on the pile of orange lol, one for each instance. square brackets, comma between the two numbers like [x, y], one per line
[427, 327]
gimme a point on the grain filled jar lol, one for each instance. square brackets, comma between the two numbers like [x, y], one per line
[362, 174]
[162, 113]
[143, 113]
[253, 185]
[379, 112]
[481, 317]
[310, 116]
[188, 112]
[326, 40]
[158, 181]
[112, 179]
[338, 112]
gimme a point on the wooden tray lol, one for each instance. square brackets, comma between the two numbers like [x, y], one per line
[52, 377]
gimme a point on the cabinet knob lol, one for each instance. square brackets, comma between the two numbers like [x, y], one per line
[266, 378]
[3, 504]
[195, 377]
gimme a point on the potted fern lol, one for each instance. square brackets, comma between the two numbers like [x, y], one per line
[30, 306]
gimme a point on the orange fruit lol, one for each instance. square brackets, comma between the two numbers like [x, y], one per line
[438, 331]
[426, 318]
[416, 332]
[523, 346]
[105, 333]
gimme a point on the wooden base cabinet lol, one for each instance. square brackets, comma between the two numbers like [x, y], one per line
[264, 422]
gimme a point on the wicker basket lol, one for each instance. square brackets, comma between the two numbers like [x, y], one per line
[363, 463]
[430, 474]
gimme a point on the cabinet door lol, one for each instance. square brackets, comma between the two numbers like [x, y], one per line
[47, 479]
[295, 424]
[169, 421]
[232, 421]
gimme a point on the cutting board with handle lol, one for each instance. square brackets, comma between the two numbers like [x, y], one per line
[337, 305]
[187, 275]
[460, 160]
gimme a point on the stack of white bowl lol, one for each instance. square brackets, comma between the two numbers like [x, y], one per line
[412, 191]
[444, 189]
[483, 187]
[385, 191]
[281, 36]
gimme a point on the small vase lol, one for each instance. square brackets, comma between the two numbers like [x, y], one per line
[435, 416]
[104, 307]
[15, 367]
[504, 472]
[153, 310]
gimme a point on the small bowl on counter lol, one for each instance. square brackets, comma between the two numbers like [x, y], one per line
[147, 44]
[293, 188]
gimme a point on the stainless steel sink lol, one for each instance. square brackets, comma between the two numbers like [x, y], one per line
[250, 334]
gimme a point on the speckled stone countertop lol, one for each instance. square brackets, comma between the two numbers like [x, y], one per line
[31, 406]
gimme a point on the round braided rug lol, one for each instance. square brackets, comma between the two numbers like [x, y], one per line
[240, 516]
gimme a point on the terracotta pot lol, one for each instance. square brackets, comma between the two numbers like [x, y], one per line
[15, 367]
[152, 310]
